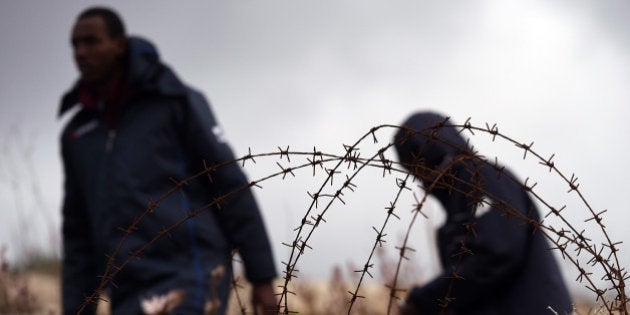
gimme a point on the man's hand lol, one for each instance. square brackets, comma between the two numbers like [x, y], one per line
[264, 299]
[407, 309]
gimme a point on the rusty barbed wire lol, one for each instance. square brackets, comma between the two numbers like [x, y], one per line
[568, 240]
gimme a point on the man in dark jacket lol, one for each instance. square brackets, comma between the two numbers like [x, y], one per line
[493, 263]
[137, 129]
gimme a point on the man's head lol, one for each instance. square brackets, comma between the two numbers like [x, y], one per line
[99, 44]
[426, 143]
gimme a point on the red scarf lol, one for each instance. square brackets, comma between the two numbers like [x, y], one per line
[114, 100]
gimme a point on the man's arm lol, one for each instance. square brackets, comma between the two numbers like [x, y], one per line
[485, 267]
[495, 248]
[238, 215]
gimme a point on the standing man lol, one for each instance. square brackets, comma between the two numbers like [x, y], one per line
[493, 263]
[137, 128]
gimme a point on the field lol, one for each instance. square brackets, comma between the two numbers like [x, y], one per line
[38, 292]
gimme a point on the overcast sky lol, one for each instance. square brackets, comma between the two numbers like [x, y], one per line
[322, 73]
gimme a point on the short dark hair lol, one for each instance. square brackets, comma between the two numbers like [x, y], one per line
[113, 22]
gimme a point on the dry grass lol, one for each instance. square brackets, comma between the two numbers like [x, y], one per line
[312, 297]
[47, 290]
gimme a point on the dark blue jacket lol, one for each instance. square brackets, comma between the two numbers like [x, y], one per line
[506, 266]
[163, 132]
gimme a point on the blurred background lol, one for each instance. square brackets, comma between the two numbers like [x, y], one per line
[320, 74]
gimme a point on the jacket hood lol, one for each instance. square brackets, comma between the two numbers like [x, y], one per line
[142, 60]
[145, 73]
[428, 136]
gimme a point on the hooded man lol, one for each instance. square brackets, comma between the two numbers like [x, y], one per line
[138, 129]
[492, 261]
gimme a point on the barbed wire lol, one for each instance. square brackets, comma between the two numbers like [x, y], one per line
[567, 239]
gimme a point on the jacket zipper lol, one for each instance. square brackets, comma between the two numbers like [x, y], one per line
[109, 144]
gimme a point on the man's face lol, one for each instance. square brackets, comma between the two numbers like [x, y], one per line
[96, 54]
